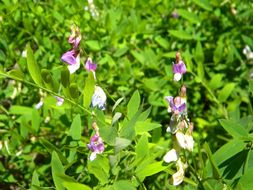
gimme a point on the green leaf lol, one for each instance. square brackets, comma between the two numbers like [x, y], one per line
[225, 92]
[65, 77]
[181, 34]
[20, 110]
[35, 180]
[123, 185]
[218, 52]
[215, 170]
[121, 143]
[16, 74]
[162, 42]
[140, 57]
[203, 4]
[35, 120]
[100, 168]
[88, 90]
[233, 128]
[75, 186]
[189, 16]
[142, 147]
[93, 44]
[120, 52]
[246, 182]
[150, 169]
[145, 126]
[133, 104]
[47, 79]
[216, 81]
[117, 103]
[76, 128]
[73, 90]
[32, 66]
[57, 169]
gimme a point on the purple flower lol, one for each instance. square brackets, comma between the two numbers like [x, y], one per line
[179, 69]
[176, 106]
[90, 66]
[175, 14]
[59, 100]
[73, 59]
[96, 146]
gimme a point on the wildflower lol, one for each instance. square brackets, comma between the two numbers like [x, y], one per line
[185, 141]
[175, 105]
[171, 156]
[96, 144]
[247, 52]
[75, 37]
[92, 8]
[179, 68]
[98, 98]
[59, 100]
[90, 66]
[175, 14]
[39, 105]
[72, 58]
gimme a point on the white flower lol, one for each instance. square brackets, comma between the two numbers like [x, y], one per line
[178, 177]
[247, 51]
[171, 156]
[93, 156]
[185, 141]
[39, 105]
[99, 98]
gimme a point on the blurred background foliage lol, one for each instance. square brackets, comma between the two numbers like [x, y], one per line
[134, 44]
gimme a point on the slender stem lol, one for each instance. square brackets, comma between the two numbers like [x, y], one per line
[51, 92]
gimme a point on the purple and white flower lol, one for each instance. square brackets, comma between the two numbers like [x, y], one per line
[171, 156]
[72, 58]
[96, 146]
[179, 69]
[175, 105]
[59, 100]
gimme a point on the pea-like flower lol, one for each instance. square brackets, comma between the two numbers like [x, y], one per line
[178, 177]
[59, 100]
[99, 98]
[171, 156]
[179, 69]
[175, 105]
[72, 58]
[96, 146]
[90, 66]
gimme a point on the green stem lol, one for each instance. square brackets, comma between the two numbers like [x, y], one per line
[51, 92]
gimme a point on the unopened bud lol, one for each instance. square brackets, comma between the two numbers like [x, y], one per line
[178, 57]
[183, 91]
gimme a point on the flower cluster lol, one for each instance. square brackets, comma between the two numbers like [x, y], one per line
[180, 127]
[72, 58]
[96, 144]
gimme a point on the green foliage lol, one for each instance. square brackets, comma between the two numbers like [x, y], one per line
[134, 44]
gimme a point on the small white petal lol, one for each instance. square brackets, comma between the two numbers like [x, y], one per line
[171, 156]
[189, 142]
[73, 68]
[178, 177]
[168, 130]
[39, 105]
[177, 76]
[181, 139]
[93, 156]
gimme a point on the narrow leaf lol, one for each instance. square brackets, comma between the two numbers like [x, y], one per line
[76, 128]
[88, 90]
[57, 169]
[133, 104]
[32, 66]
[233, 128]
